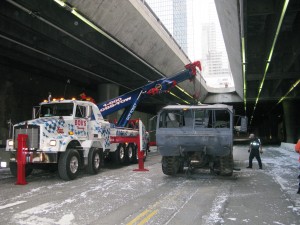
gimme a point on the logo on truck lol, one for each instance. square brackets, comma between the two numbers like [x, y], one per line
[81, 124]
[114, 103]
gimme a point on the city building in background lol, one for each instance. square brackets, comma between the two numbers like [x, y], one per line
[195, 26]
[173, 15]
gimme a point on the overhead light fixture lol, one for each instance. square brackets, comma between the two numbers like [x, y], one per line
[182, 90]
[284, 8]
[179, 98]
[244, 73]
[61, 3]
[292, 88]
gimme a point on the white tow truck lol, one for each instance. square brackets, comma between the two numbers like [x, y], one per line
[70, 134]
[67, 135]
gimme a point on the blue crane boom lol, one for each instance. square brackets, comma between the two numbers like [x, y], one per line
[129, 101]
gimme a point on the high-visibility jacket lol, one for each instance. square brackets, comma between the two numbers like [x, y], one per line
[255, 143]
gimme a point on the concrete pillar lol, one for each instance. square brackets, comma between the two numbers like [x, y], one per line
[106, 92]
[291, 121]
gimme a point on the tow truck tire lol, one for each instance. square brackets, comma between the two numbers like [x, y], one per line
[135, 157]
[170, 165]
[121, 154]
[69, 164]
[94, 161]
[14, 169]
[226, 165]
[131, 150]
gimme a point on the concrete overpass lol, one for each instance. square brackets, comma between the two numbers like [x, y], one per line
[110, 47]
[262, 38]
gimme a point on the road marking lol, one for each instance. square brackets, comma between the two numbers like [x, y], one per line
[138, 217]
[145, 220]
[148, 213]
[11, 204]
[152, 209]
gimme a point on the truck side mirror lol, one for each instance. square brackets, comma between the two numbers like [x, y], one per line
[35, 111]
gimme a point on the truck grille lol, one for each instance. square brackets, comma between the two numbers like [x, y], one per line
[33, 135]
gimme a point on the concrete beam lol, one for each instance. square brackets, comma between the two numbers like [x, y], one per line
[229, 17]
[133, 25]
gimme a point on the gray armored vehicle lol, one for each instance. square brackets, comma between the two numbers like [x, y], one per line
[196, 137]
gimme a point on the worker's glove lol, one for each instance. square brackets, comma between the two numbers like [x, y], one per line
[248, 150]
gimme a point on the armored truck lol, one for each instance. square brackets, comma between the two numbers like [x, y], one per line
[198, 136]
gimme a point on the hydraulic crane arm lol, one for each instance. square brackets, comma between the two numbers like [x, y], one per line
[130, 100]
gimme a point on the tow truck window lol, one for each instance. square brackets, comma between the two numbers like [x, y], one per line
[60, 109]
[80, 111]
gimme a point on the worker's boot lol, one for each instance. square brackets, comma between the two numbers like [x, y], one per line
[298, 192]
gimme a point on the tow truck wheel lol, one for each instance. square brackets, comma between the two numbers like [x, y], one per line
[121, 154]
[94, 161]
[131, 153]
[69, 164]
[170, 165]
[14, 169]
[136, 154]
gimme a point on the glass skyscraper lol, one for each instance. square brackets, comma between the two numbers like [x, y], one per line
[195, 26]
[173, 15]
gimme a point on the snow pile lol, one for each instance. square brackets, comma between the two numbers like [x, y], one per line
[285, 170]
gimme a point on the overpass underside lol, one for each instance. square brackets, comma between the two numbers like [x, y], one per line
[96, 42]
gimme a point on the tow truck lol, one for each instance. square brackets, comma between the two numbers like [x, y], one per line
[68, 135]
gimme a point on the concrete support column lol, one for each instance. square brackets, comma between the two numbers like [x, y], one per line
[290, 120]
[106, 92]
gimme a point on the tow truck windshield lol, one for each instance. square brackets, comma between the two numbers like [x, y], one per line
[57, 109]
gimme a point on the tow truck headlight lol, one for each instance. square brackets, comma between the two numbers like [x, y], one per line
[3, 164]
[52, 143]
[10, 143]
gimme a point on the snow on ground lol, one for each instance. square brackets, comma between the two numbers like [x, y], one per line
[281, 163]
[284, 170]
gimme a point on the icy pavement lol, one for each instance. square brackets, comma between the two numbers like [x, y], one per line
[285, 170]
[261, 200]
[117, 195]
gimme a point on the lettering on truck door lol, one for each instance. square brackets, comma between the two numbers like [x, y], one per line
[80, 122]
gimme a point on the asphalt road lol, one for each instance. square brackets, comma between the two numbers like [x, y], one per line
[119, 195]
